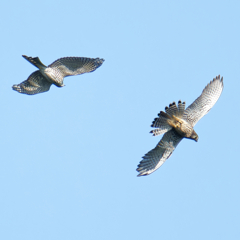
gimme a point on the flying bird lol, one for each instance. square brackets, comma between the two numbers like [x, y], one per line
[177, 123]
[42, 79]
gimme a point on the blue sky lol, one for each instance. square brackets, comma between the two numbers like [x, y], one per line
[68, 156]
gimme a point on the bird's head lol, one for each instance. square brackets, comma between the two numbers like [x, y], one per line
[194, 136]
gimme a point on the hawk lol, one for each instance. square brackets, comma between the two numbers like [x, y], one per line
[41, 80]
[177, 123]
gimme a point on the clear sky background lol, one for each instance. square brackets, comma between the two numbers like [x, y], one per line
[69, 156]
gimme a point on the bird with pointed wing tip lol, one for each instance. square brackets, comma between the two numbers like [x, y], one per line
[177, 123]
[42, 79]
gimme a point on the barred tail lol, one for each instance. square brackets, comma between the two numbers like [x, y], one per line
[175, 110]
[161, 123]
[35, 61]
[164, 120]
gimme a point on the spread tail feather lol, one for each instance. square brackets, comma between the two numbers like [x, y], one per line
[35, 61]
[161, 123]
[164, 120]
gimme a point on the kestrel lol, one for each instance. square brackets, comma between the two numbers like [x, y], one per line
[177, 123]
[41, 80]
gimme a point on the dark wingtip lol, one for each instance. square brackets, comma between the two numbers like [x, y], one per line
[218, 78]
[25, 56]
[99, 61]
[142, 174]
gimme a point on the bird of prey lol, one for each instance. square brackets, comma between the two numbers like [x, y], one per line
[41, 80]
[177, 123]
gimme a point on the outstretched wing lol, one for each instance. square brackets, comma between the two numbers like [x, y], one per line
[69, 66]
[202, 105]
[157, 156]
[36, 83]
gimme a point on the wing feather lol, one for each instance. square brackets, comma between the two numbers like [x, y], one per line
[202, 105]
[69, 66]
[157, 156]
[36, 83]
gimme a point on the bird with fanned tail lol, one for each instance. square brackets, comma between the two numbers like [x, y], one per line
[177, 123]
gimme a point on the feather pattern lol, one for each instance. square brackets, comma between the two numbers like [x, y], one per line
[181, 108]
[70, 66]
[202, 105]
[162, 122]
[36, 83]
[157, 156]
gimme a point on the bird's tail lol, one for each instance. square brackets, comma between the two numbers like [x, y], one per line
[35, 61]
[164, 120]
